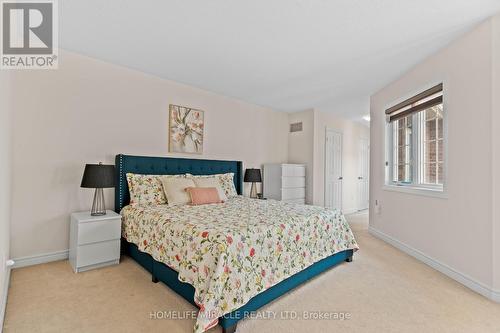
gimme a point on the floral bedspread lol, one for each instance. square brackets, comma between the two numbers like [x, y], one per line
[231, 252]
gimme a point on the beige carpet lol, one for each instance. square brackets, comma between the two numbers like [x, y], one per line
[383, 290]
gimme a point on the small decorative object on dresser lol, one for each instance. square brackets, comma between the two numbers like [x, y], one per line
[286, 182]
[253, 176]
[98, 176]
[94, 240]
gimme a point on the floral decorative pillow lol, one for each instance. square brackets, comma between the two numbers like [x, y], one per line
[226, 182]
[145, 190]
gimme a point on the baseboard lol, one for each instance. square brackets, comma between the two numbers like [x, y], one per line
[495, 296]
[40, 259]
[355, 211]
[443, 268]
[3, 303]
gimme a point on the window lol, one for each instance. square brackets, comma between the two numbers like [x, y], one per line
[416, 141]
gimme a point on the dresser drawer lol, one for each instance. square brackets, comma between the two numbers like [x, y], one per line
[96, 253]
[293, 193]
[293, 170]
[92, 232]
[291, 182]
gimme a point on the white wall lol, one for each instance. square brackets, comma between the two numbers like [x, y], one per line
[300, 147]
[495, 130]
[352, 132]
[455, 231]
[88, 111]
[5, 157]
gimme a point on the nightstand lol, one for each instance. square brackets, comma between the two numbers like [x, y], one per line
[94, 240]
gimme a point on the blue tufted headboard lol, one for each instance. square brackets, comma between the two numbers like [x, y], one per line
[168, 166]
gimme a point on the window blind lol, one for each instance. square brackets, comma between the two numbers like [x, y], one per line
[426, 99]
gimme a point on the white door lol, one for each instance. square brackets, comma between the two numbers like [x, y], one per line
[333, 170]
[363, 174]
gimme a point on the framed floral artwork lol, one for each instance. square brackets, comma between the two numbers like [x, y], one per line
[185, 130]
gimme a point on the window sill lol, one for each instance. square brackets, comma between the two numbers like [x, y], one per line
[427, 192]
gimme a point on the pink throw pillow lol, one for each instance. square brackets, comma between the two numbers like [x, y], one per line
[203, 195]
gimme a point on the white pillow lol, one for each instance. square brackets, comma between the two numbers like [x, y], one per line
[211, 182]
[175, 190]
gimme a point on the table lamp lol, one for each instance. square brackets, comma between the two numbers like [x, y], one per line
[98, 176]
[253, 176]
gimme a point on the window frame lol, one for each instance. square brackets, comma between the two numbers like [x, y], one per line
[416, 187]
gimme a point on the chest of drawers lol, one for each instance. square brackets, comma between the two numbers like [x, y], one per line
[286, 182]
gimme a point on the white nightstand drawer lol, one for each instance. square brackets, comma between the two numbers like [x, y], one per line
[95, 253]
[94, 240]
[92, 232]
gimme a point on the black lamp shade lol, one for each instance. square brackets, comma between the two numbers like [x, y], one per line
[98, 176]
[252, 176]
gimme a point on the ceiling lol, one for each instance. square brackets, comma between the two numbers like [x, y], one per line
[289, 55]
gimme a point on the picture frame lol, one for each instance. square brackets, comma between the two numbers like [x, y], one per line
[186, 129]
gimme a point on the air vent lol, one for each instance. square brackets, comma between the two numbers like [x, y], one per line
[296, 127]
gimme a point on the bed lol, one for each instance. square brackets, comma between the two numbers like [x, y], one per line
[227, 259]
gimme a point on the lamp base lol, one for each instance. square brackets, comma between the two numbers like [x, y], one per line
[98, 205]
[98, 214]
[253, 191]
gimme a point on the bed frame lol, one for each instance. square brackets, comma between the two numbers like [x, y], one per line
[163, 273]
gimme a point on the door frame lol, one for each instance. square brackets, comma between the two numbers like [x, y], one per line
[333, 130]
[360, 140]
